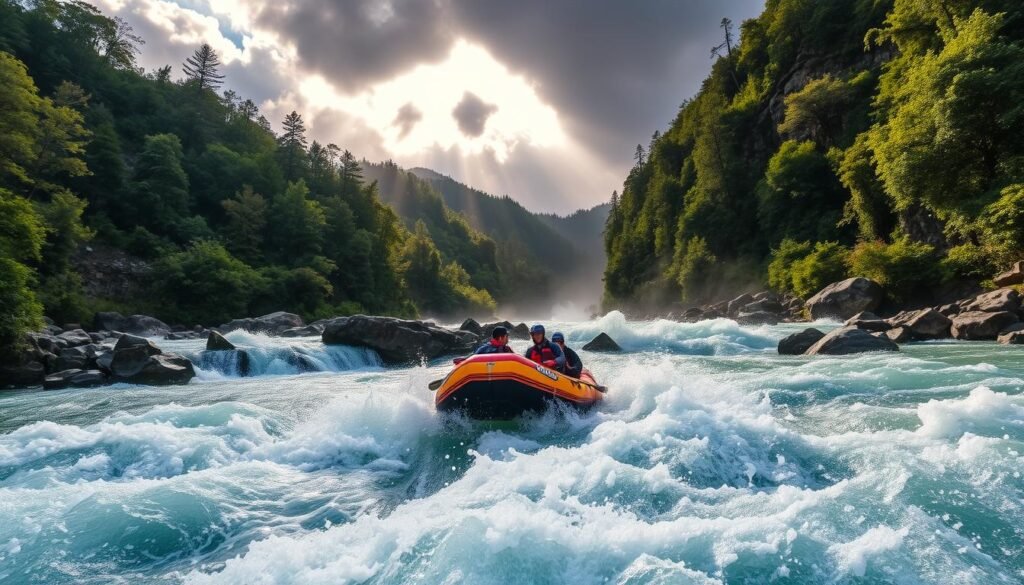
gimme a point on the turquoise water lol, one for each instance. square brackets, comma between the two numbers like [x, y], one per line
[713, 460]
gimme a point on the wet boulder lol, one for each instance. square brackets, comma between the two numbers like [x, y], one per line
[472, 326]
[74, 378]
[22, 373]
[271, 324]
[135, 324]
[764, 305]
[1012, 335]
[75, 337]
[929, 324]
[520, 331]
[899, 335]
[997, 301]
[603, 343]
[844, 299]
[868, 321]
[1013, 276]
[980, 325]
[137, 360]
[757, 318]
[799, 343]
[397, 341]
[217, 342]
[75, 358]
[59, 380]
[733, 307]
[850, 340]
[162, 370]
[311, 330]
[692, 315]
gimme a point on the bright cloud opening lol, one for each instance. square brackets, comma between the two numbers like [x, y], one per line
[515, 113]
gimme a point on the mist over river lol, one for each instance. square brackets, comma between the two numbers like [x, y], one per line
[712, 460]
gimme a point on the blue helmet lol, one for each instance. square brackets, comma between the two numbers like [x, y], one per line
[558, 337]
[537, 329]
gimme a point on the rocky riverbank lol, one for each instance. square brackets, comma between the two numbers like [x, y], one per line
[119, 348]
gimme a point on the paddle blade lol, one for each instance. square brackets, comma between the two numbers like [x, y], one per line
[435, 384]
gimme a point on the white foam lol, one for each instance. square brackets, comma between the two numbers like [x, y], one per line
[852, 557]
[981, 409]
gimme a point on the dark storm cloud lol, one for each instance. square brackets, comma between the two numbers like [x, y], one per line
[471, 114]
[406, 118]
[355, 42]
[615, 71]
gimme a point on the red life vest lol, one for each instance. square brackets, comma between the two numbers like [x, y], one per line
[543, 354]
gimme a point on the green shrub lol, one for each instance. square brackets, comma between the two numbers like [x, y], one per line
[205, 284]
[824, 265]
[968, 262]
[902, 267]
[803, 269]
[781, 266]
[1002, 225]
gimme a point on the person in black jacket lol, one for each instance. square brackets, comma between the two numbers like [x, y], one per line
[573, 363]
[543, 351]
[497, 344]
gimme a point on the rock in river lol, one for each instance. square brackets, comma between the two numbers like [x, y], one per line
[397, 341]
[799, 343]
[845, 299]
[976, 325]
[603, 342]
[847, 340]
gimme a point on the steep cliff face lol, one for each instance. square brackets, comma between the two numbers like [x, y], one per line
[831, 126]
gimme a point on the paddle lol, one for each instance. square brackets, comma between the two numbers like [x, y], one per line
[437, 383]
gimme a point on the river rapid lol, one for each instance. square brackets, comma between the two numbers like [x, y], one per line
[712, 460]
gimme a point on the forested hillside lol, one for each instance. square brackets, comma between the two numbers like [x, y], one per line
[232, 219]
[882, 138]
[543, 256]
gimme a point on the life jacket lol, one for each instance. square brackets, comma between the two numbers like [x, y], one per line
[491, 347]
[541, 355]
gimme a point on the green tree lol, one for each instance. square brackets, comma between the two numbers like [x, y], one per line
[956, 123]
[246, 223]
[203, 68]
[160, 196]
[21, 241]
[297, 230]
[292, 147]
[205, 284]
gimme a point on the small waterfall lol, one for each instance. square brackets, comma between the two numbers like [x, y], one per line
[259, 355]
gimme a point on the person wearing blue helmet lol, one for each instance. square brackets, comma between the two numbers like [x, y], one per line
[573, 363]
[543, 351]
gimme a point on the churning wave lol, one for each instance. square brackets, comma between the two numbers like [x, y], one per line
[712, 461]
[261, 355]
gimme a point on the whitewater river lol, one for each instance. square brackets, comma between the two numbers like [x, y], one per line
[712, 460]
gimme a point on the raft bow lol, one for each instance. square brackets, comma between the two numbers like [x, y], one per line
[505, 385]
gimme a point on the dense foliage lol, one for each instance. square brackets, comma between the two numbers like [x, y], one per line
[235, 219]
[874, 137]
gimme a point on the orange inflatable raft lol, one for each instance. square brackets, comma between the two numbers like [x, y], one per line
[503, 386]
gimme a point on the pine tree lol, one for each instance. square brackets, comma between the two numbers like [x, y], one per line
[202, 68]
[160, 191]
[292, 144]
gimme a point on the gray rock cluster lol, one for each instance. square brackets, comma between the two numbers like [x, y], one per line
[763, 308]
[80, 359]
[995, 315]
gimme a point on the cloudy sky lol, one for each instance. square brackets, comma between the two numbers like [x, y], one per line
[544, 101]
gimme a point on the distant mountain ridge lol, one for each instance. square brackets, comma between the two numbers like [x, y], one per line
[539, 255]
[571, 246]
